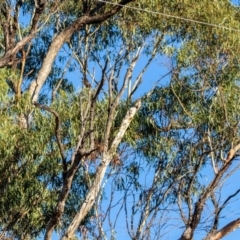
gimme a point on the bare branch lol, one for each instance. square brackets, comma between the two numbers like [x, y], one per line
[54, 92]
[57, 131]
[115, 102]
[95, 188]
[9, 57]
[232, 153]
[179, 203]
[218, 209]
[212, 153]
[58, 42]
[188, 233]
[230, 227]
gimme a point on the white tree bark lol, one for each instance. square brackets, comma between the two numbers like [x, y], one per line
[95, 189]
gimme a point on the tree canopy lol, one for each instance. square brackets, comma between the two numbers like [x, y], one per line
[92, 139]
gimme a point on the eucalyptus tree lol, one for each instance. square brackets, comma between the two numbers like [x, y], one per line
[192, 148]
[59, 144]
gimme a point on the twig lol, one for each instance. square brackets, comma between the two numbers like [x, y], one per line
[57, 131]
[212, 153]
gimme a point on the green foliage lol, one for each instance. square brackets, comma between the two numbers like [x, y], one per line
[30, 164]
[169, 134]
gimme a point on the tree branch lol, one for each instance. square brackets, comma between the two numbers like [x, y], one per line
[230, 227]
[58, 42]
[8, 57]
[95, 188]
[196, 216]
[57, 131]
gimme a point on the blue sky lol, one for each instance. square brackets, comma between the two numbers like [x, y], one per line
[157, 69]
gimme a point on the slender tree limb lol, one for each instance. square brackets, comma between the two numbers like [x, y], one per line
[78, 155]
[212, 153]
[230, 227]
[216, 212]
[9, 57]
[188, 233]
[180, 207]
[55, 90]
[94, 190]
[115, 102]
[139, 77]
[180, 102]
[57, 131]
[147, 205]
[218, 209]
[58, 42]
[232, 153]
